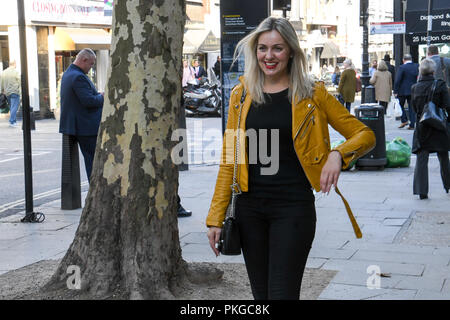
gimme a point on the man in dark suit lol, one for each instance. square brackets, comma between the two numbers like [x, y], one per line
[199, 71]
[406, 76]
[81, 106]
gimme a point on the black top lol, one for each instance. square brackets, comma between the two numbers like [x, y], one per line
[267, 179]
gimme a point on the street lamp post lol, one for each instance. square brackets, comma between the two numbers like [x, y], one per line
[30, 216]
[367, 90]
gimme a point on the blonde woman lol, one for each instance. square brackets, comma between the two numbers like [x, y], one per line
[275, 212]
[382, 80]
[188, 74]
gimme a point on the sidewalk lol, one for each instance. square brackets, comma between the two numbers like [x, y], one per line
[406, 240]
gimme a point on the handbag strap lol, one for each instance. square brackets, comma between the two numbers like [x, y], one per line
[235, 188]
[433, 87]
[444, 68]
[237, 146]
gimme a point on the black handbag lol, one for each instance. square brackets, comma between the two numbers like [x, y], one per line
[432, 115]
[3, 101]
[230, 239]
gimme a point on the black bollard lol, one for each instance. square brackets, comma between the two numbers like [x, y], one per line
[70, 174]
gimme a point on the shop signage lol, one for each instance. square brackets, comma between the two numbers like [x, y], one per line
[237, 19]
[69, 11]
[387, 27]
[417, 21]
[421, 38]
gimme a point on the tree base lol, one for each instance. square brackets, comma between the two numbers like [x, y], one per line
[190, 275]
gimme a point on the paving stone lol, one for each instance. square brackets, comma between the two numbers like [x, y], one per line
[385, 267]
[446, 286]
[348, 292]
[394, 222]
[421, 283]
[315, 263]
[400, 257]
[203, 253]
[361, 278]
[432, 295]
[327, 253]
[195, 237]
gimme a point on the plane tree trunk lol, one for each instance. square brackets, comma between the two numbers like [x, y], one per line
[127, 240]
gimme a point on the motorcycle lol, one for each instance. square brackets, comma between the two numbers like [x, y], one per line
[202, 98]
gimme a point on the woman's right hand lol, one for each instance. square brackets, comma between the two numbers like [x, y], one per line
[214, 237]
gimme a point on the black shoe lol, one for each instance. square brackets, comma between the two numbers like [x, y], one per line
[182, 212]
[423, 196]
[446, 190]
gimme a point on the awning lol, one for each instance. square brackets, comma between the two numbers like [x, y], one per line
[71, 39]
[330, 50]
[200, 41]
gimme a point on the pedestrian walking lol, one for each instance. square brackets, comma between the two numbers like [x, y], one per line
[199, 71]
[81, 106]
[12, 89]
[382, 81]
[442, 64]
[428, 140]
[406, 76]
[336, 76]
[216, 68]
[373, 68]
[188, 74]
[275, 211]
[347, 84]
[391, 68]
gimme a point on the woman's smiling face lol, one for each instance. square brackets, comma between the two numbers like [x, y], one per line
[273, 54]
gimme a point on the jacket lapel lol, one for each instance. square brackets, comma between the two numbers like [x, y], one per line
[300, 112]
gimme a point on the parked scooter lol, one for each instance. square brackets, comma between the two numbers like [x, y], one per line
[202, 98]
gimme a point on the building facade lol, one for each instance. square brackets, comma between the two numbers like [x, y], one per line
[329, 30]
[202, 31]
[56, 30]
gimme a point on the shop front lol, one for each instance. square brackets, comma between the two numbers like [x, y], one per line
[56, 31]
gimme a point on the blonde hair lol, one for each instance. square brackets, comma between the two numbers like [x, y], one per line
[301, 85]
[382, 66]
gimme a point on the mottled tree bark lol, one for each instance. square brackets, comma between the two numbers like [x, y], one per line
[127, 240]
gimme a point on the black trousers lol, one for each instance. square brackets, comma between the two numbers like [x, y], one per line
[420, 183]
[412, 114]
[276, 237]
[384, 104]
[348, 105]
[87, 147]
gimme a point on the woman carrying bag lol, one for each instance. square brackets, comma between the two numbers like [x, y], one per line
[427, 139]
[282, 109]
[382, 80]
[347, 84]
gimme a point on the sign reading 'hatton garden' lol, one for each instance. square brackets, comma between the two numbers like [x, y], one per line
[417, 22]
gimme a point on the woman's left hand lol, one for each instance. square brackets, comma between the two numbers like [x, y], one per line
[330, 171]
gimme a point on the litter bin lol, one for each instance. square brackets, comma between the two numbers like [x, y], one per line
[372, 115]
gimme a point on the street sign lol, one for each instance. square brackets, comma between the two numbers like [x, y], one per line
[396, 27]
[238, 18]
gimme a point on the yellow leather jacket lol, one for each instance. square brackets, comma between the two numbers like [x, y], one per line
[310, 119]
